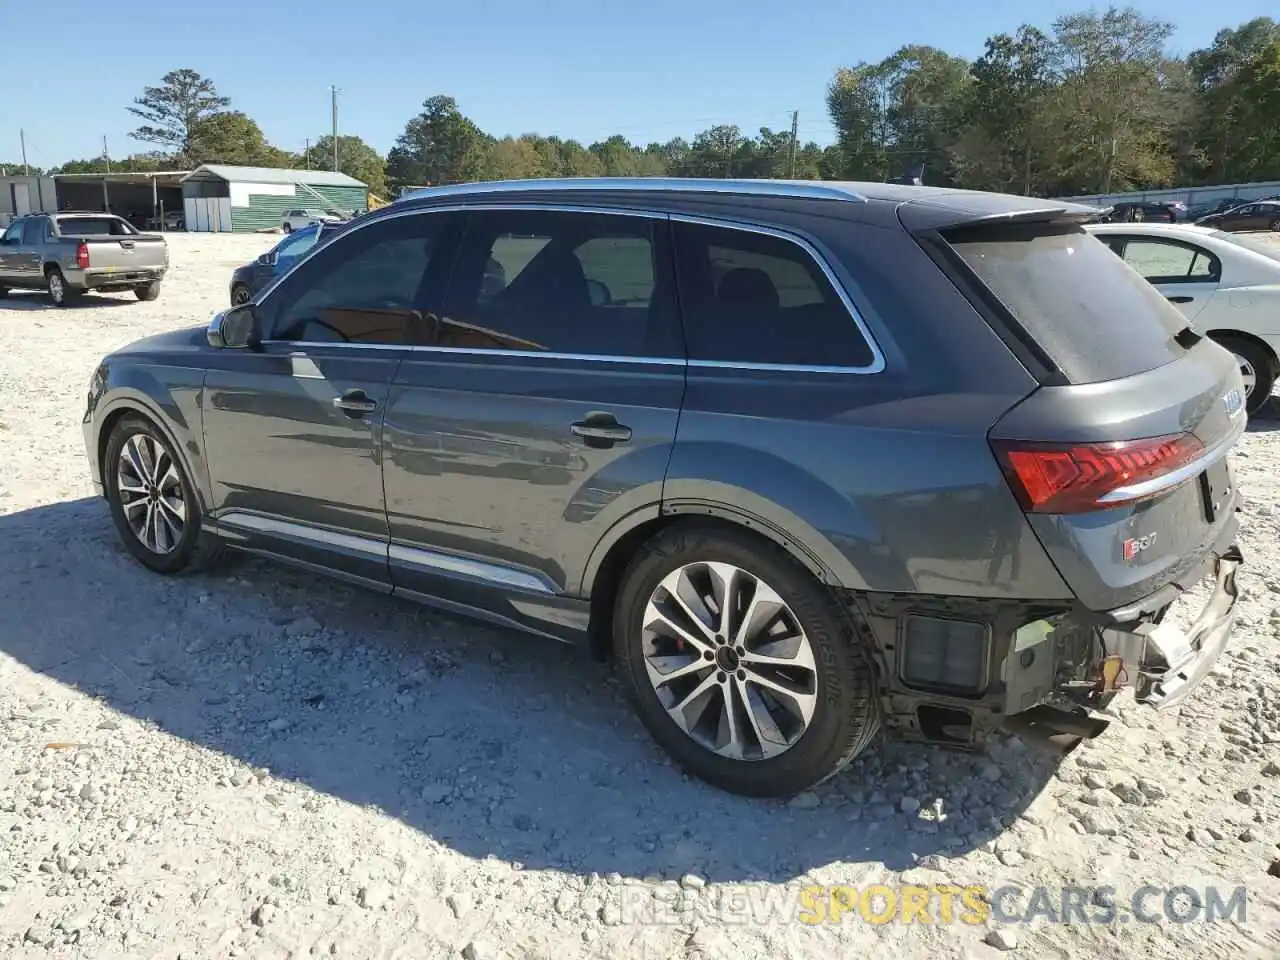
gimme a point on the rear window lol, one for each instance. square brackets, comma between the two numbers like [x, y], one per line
[94, 227]
[1094, 316]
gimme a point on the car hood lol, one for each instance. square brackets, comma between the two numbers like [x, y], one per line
[188, 340]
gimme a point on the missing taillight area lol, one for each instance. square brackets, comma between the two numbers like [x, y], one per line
[1078, 478]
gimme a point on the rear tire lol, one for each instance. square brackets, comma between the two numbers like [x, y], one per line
[1256, 365]
[835, 678]
[1275, 224]
[148, 291]
[60, 292]
[153, 503]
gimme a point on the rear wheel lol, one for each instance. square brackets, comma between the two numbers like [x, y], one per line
[152, 501]
[148, 291]
[1257, 370]
[1275, 224]
[742, 665]
[60, 292]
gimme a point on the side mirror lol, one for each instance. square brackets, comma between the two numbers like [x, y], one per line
[238, 328]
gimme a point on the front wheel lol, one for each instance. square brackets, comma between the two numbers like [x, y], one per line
[152, 501]
[287, 227]
[742, 665]
[1275, 224]
[148, 291]
[240, 295]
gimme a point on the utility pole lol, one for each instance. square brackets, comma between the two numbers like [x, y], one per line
[795, 127]
[306, 153]
[106, 154]
[334, 94]
[22, 138]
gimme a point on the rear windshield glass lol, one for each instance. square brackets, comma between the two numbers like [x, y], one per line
[1258, 244]
[1088, 310]
[94, 227]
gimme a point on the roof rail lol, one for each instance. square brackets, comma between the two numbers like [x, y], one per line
[799, 189]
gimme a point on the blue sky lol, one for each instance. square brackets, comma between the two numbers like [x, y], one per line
[577, 68]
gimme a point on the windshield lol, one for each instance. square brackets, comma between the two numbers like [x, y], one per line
[1258, 244]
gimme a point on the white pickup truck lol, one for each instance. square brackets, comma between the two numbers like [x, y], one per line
[69, 253]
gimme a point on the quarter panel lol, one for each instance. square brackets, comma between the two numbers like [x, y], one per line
[887, 491]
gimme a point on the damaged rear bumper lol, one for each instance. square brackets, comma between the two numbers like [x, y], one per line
[1167, 662]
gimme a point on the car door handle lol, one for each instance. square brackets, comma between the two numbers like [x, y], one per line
[601, 430]
[1180, 299]
[354, 403]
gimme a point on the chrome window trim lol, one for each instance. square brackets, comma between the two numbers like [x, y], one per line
[792, 189]
[877, 364]
[420, 557]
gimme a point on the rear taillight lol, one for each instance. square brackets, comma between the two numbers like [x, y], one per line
[1079, 477]
[82, 256]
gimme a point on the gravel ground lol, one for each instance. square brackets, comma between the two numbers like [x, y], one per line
[252, 763]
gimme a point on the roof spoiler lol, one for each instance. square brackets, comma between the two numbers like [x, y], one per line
[978, 210]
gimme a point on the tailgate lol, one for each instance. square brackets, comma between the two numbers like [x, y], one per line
[1120, 459]
[124, 253]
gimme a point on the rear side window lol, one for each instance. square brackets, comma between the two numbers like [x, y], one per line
[1094, 316]
[94, 227]
[755, 298]
[32, 232]
[1160, 261]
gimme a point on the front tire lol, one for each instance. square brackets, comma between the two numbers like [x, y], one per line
[287, 227]
[1275, 225]
[742, 665]
[1257, 369]
[148, 291]
[152, 500]
[240, 295]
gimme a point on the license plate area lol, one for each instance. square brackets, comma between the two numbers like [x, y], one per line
[1215, 489]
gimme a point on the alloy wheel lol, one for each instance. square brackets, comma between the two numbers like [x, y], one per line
[151, 496]
[1247, 374]
[240, 297]
[729, 661]
[56, 290]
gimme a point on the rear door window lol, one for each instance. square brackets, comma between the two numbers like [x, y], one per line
[753, 298]
[1094, 315]
[32, 233]
[1160, 261]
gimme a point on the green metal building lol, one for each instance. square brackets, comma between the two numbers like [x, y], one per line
[221, 199]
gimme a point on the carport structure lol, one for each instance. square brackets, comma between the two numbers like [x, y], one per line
[135, 196]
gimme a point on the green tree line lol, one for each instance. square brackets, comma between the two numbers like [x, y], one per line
[1095, 104]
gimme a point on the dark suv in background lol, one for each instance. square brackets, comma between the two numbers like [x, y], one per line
[810, 460]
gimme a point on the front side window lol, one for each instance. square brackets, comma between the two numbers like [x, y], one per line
[754, 298]
[12, 236]
[1161, 262]
[365, 287]
[561, 282]
[294, 246]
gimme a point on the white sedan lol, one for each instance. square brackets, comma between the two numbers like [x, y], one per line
[1227, 285]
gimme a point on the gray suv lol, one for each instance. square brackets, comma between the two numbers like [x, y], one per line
[808, 460]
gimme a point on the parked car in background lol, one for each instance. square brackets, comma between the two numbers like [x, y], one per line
[1259, 215]
[1227, 288]
[248, 279]
[172, 220]
[69, 253]
[298, 218]
[887, 456]
[1140, 211]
